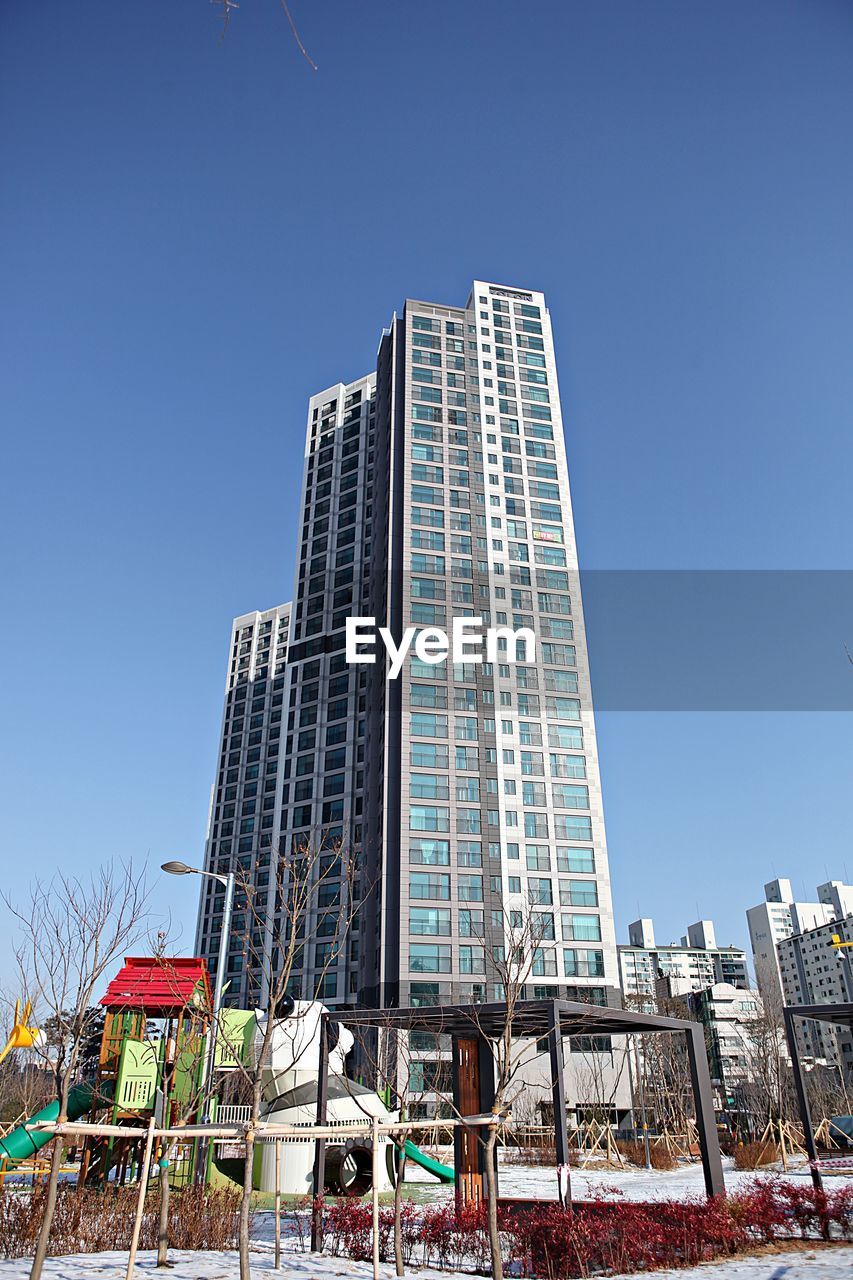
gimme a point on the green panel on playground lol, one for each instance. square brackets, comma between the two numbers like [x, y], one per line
[136, 1082]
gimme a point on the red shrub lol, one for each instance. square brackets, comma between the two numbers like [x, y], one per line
[807, 1206]
[605, 1236]
[599, 1236]
[840, 1209]
[759, 1211]
[348, 1229]
[452, 1236]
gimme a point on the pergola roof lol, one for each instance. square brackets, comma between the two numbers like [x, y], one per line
[533, 1018]
[840, 1014]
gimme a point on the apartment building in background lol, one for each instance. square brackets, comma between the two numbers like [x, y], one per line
[778, 917]
[316, 703]
[435, 489]
[732, 1019]
[814, 972]
[651, 971]
[796, 963]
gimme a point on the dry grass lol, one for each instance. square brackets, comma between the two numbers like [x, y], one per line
[538, 1155]
[89, 1221]
[635, 1153]
[754, 1155]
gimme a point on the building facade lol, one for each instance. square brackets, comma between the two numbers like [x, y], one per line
[778, 917]
[484, 797]
[796, 963]
[731, 1016]
[812, 971]
[322, 777]
[244, 806]
[651, 971]
[436, 490]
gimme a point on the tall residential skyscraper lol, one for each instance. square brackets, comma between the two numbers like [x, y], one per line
[437, 489]
[484, 797]
[322, 773]
[244, 797]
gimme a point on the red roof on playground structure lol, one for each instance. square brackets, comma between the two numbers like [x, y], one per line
[162, 984]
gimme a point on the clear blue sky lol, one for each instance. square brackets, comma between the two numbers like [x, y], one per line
[196, 234]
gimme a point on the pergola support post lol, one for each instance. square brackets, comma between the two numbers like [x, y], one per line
[802, 1099]
[709, 1142]
[558, 1093]
[319, 1179]
[486, 1071]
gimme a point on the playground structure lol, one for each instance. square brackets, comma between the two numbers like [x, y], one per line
[163, 1060]
[161, 1064]
[152, 1051]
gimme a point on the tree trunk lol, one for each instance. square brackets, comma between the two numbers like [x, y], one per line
[374, 1195]
[246, 1203]
[50, 1198]
[492, 1206]
[400, 1162]
[163, 1226]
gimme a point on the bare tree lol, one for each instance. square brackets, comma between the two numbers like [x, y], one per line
[392, 1060]
[664, 1067]
[768, 1086]
[828, 1090]
[229, 6]
[527, 949]
[599, 1070]
[315, 886]
[72, 931]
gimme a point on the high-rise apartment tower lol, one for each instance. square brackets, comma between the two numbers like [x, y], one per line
[436, 490]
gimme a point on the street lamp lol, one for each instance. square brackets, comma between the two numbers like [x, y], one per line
[227, 879]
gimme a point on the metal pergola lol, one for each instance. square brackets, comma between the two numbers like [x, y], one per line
[473, 1027]
[840, 1015]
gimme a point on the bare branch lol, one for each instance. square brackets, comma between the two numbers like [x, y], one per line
[312, 64]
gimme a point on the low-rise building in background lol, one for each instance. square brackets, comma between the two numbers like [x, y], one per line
[693, 964]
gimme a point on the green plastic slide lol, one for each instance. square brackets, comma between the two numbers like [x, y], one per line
[443, 1172]
[22, 1143]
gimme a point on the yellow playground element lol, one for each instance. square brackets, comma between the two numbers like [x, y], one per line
[22, 1035]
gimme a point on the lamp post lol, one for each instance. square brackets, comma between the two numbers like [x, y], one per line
[227, 879]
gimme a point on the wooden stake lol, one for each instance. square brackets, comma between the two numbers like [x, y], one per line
[375, 1197]
[278, 1206]
[140, 1203]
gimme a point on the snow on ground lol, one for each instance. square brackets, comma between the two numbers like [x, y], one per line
[539, 1182]
[833, 1263]
[525, 1181]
